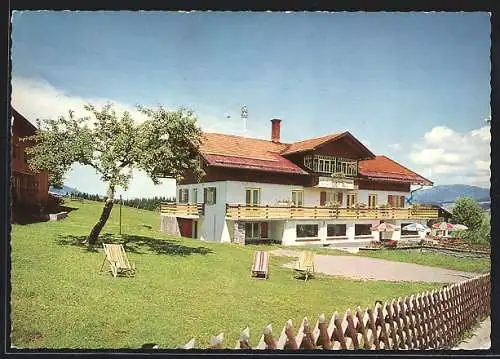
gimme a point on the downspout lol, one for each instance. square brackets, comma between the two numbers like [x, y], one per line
[409, 200]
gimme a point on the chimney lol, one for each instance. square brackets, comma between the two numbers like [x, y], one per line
[275, 134]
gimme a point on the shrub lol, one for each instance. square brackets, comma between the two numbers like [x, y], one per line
[468, 212]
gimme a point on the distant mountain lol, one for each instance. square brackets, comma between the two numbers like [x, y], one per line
[449, 194]
[62, 191]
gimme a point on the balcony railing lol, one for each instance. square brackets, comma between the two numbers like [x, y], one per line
[182, 209]
[236, 212]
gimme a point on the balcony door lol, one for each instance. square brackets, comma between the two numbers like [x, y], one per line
[252, 196]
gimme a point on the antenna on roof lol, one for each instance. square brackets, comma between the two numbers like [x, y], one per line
[244, 117]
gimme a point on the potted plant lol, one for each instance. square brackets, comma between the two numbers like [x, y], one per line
[332, 204]
[285, 203]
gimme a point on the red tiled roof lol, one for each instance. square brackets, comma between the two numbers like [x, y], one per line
[383, 168]
[310, 144]
[244, 152]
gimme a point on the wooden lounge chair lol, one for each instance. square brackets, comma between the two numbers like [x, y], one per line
[260, 267]
[118, 261]
[304, 266]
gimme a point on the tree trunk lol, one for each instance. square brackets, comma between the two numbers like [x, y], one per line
[106, 211]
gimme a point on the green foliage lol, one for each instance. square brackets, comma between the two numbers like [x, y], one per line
[480, 235]
[466, 211]
[165, 145]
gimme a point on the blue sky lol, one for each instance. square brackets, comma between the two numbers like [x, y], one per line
[408, 85]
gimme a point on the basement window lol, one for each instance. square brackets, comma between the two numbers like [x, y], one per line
[336, 230]
[362, 229]
[307, 230]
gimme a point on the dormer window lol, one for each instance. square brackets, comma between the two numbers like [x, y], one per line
[331, 165]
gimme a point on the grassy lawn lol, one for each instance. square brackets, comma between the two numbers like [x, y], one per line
[183, 288]
[473, 265]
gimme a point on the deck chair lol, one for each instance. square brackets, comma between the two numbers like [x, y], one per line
[118, 261]
[260, 267]
[304, 266]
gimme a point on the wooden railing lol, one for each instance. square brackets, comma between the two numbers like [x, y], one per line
[182, 209]
[236, 211]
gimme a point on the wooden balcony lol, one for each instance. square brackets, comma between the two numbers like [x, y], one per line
[236, 212]
[184, 210]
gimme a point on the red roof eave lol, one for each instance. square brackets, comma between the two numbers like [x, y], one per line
[397, 178]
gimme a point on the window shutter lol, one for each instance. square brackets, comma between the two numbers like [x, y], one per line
[401, 201]
[179, 197]
[340, 198]
[187, 195]
[204, 195]
[390, 199]
[215, 195]
[263, 229]
[322, 198]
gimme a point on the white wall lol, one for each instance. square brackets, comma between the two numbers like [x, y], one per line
[270, 193]
[290, 232]
[213, 224]
[382, 196]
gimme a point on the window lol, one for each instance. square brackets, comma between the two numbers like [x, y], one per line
[308, 162]
[194, 198]
[351, 199]
[362, 229]
[372, 200]
[298, 198]
[210, 195]
[252, 196]
[307, 230]
[334, 197]
[252, 230]
[396, 201]
[336, 230]
[183, 195]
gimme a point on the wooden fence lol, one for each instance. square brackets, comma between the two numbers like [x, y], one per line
[430, 320]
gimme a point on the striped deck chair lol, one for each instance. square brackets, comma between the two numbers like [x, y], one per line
[118, 261]
[260, 267]
[304, 266]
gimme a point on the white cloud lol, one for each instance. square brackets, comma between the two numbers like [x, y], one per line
[395, 146]
[449, 157]
[38, 99]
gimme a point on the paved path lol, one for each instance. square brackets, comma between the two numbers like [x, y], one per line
[378, 269]
[481, 338]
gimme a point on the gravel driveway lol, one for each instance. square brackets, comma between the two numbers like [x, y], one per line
[378, 269]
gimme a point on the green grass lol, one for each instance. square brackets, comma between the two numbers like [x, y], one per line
[183, 288]
[473, 265]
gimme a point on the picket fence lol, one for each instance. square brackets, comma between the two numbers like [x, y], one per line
[430, 320]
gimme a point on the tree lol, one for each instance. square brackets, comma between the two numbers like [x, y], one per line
[466, 211]
[164, 146]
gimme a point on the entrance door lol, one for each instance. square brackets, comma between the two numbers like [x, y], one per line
[185, 227]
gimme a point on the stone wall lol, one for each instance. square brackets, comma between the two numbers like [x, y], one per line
[239, 232]
[169, 225]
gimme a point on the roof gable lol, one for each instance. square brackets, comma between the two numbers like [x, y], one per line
[343, 144]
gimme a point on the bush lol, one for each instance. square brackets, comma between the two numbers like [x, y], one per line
[468, 212]
[479, 235]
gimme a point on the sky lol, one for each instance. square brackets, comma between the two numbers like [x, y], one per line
[412, 86]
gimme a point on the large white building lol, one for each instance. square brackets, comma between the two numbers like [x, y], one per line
[326, 191]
